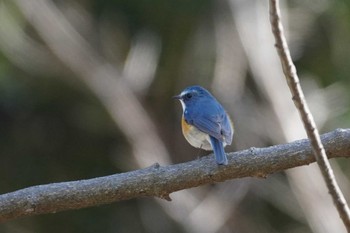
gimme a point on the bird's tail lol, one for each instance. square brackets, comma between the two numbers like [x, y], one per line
[219, 151]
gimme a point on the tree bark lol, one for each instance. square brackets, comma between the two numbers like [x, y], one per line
[160, 181]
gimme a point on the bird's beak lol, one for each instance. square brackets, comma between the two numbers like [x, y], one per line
[177, 97]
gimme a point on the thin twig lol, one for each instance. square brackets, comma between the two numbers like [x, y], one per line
[160, 181]
[306, 116]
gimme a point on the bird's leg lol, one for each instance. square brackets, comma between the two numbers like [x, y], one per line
[199, 152]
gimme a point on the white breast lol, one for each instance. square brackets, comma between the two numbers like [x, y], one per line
[197, 138]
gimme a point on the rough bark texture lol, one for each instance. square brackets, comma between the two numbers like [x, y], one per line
[160, 181]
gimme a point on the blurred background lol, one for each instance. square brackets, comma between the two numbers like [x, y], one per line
[86, 87]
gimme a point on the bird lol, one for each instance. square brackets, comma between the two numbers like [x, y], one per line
[205, 123]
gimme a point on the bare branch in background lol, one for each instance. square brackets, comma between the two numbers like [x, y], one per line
[141, 64]
[160, 181]
[22, 50]
[102, 78]
[309, 124]
[231, 62]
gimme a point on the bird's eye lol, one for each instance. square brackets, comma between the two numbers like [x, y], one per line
[188, 95]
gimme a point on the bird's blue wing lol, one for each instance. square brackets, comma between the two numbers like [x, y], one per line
[213, 121]
[209, 125]
[206, 118]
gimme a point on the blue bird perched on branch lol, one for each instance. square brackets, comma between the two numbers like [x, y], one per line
[205, 123]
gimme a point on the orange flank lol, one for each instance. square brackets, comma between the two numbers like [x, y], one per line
[186, 128]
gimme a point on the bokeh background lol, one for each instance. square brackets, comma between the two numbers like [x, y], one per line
[86, 87]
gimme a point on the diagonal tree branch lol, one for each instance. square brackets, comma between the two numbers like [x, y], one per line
[306, 116]
[160, 181]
